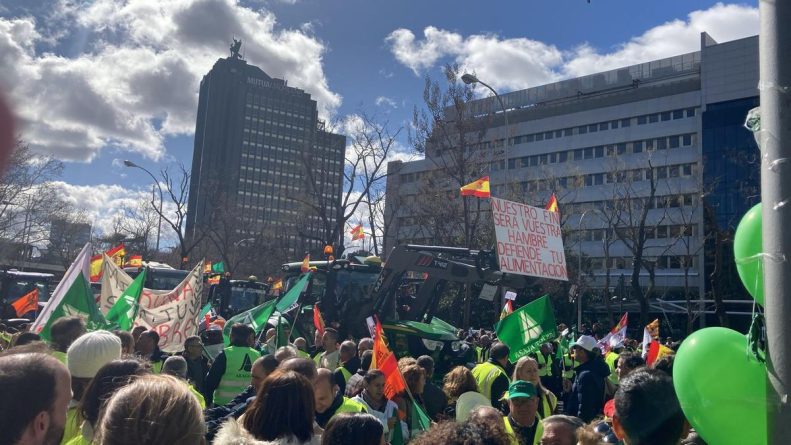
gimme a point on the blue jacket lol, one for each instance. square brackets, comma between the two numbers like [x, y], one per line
[586, 399]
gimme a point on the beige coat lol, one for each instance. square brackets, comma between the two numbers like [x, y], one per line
[233, 433]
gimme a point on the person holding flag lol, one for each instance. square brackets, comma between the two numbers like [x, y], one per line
[230, 373]
[377, 404]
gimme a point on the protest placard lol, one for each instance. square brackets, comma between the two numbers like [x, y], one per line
[529, 240]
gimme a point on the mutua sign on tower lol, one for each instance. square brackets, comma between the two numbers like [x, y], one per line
[529, 240]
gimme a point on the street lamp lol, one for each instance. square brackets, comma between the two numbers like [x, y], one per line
[131, 164]
[579, 269]
[471, 79]
[246, 240]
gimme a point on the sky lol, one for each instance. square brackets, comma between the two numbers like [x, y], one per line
[97, 82]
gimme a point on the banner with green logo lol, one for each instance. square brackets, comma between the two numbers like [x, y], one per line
[527, 328]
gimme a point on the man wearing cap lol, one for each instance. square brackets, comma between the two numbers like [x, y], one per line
[491, 376]
[586, 398]
[522, 424]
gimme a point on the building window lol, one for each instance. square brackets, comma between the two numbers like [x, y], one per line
[653, 118]
[613, 125]
[661, 144]
[678, 114]
[599, 152]
[603, 126]
[549, 135]
[539, 137]
[578, 154]
[563, 156]
[686, 140]
[690, 112]
[626, 122]
[637, 147]
[674, 142]
[582, 130]
[665, 116]
[642, 120]
[593, 128]
[568, 132]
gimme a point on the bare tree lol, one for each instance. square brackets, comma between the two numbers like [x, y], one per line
[452, 138]
[364, 175]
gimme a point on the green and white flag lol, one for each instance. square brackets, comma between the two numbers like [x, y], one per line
[258, 316]
[124, 311]
[73, 296]
[526, 328]
[255, 318]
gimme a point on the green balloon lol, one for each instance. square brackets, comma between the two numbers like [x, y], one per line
[747, 244]
[721, 388]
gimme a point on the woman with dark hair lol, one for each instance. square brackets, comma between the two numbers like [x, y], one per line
[353, 429]
[373, 397]
[455, 383]
[108, 380]
[283, 413]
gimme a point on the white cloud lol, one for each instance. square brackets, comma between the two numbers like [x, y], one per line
[384, 100]
[520, 63]
[102, 203]
[135, 79]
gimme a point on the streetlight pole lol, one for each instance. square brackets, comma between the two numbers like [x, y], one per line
[131, 164]
[579, 270]
[470, 79]
[774, 41]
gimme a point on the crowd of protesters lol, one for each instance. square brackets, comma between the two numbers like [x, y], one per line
[105, 387]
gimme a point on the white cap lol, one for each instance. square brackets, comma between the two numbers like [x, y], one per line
[92, 351]
[586, 342]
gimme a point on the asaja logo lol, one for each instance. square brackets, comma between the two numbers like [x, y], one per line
[531, 329]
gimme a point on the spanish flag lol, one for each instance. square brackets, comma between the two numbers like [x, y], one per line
[27, 303]
[117, 253]
[135, 261]
[305, 264]
[96, 268]
[478, 188]
[552, 204]
[357, 232]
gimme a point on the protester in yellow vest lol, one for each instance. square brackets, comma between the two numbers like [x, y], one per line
[147, 347]
[63, 332]
[330, 357]
[348, 366]
[177, 367]
[491, 376]
[86, 356]
[522, 424]
[527, 369]
[302, 345]
[230, 373]
[330, 400]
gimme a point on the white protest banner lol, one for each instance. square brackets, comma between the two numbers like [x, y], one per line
[173, 315]
[529, 240]
[114, 283]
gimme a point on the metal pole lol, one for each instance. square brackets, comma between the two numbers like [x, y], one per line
[505, 119]
[159, 224]
[775, 90]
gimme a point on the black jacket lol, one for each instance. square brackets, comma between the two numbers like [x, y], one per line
[586, 399]
[215, 417]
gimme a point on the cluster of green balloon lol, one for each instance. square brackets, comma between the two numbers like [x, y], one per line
[746, 245]
[721, 387]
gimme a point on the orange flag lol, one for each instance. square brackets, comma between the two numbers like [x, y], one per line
[552, 204]
[478, 188]
[357, 232]
[318, 320]
[305, 264]
[27, 303]
[385, 361]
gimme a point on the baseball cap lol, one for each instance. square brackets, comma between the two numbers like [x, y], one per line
[521, 388]
[586, 342]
